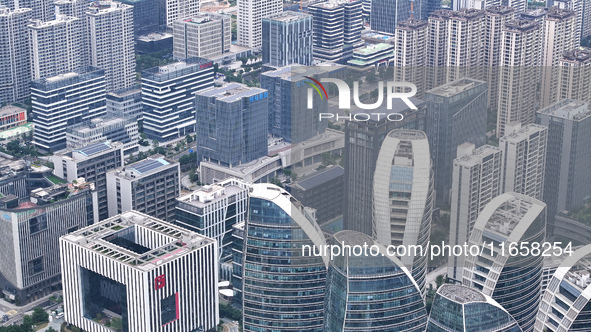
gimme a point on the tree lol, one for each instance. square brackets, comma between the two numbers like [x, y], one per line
[276, 182]
[50, 329]
[189, 139]
[39, 316]
[193, 177]
[117, 324]
[244, 60]
[371, 77]
[439, 280]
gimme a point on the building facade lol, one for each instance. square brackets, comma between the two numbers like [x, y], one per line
[126, 103]
[403, 196]
[168, 96]
[205, 35]
[15, 78]
[250, 20]
[287, 39]
[386, 14]
[12, 116]
[147, 272]
[172, 10]
[575, 75]
[516, 219]
[232, 124]
[65, 100]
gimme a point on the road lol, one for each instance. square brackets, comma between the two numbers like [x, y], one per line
[17, 313]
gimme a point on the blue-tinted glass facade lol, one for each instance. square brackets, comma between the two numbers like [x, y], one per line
[282, 290]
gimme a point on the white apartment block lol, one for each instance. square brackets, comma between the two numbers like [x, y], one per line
[152, 275]
[519, 73]
[410, 54]
[476, 180]
[56, 46]
[581, 7]
[15, 76]
[524, 159]
[172, 10]
[250, 20]
[205, 35]
[575, 75]
[111, 42]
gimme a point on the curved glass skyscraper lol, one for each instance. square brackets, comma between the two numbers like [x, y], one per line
[461, 309]
[370, 293]
[566, 305]
[283, 290]
[403, 196]
[512, 278]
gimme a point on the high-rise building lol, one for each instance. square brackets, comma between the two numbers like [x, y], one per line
[108, 128]
[476, 180]
[456, 114]
[565, 305]
[437, 49]
[150, 186]
[352, 281]
[31, 227]
[496, 17]
[524, 159]
[410, 53]
[467, 30]
[289, 114]
[579, 7]
[575, 75]
[15, 77]
[403, 196]
[363, 141]
[168, 96]
[566, 185]
[232, 124]
[146, 15]
[386, 14]
[172, 10]
[41, 9]
[559, 37]
[91, 162]
[459, 308]
[205, 35]
[213, 211]
[65, 100]
[353, 25]
[56, 46]
[146, 272]
[110, 25]
[289, 294]
[328, 30]
[250, 20]
[519, 73]
[475, 4]
[126, 103]
[287, 39]
[73, 8]
[509, 219]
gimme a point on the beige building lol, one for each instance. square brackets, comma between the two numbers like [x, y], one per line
[205, 35]
[575, 75]
[496, 18]
[250, 20]
[410, 53]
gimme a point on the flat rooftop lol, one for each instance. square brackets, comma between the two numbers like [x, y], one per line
[521, 26]
[581, 54]
[477, 155]
[154, 36]
[297, 73]
[232, 92]
[455, 87]
[288, 16]
[125, 238]
[97, 123]
[92, 149]
[568, 109]
[523, 132]
[319, 178]
[460, 294]
[373, 49]
[211, 194]
[11, 109]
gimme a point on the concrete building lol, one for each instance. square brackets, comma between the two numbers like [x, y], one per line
[150, 186]
[575, 75]
[31, 227]
[41, 10]
[289, 114]
[168, 96]
[287, 39]
[477, 178]
[403, 196]
[213, 211]
[378, 278]
[110, 25]
[410, 53]
[56, 46]
[566, 185]
[289, 295]
[559, 37]
[204, 35]
[126, 103]
[92, 163]
[524, 159]
[250, 20]
[437, 52]
[15, 78]
[322, 191]
[459, 308]
[65, 100]
[12, 116]
[172, 10]
[372, 55]
[232, 124]
[147, 272]
[566, 301]
[146, 15]
[386, 14]
[363, 141]
[510, 219]
[475, 4]
[581, 8]
[519, 73]
[456, 114]
[467, 29]
[108, 128]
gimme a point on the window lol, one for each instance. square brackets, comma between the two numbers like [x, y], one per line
[169, 309]
[37, 224]
[35, 266]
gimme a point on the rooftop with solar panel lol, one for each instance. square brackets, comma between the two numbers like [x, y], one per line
[138, 239]
[144, 167]
[90, 150]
